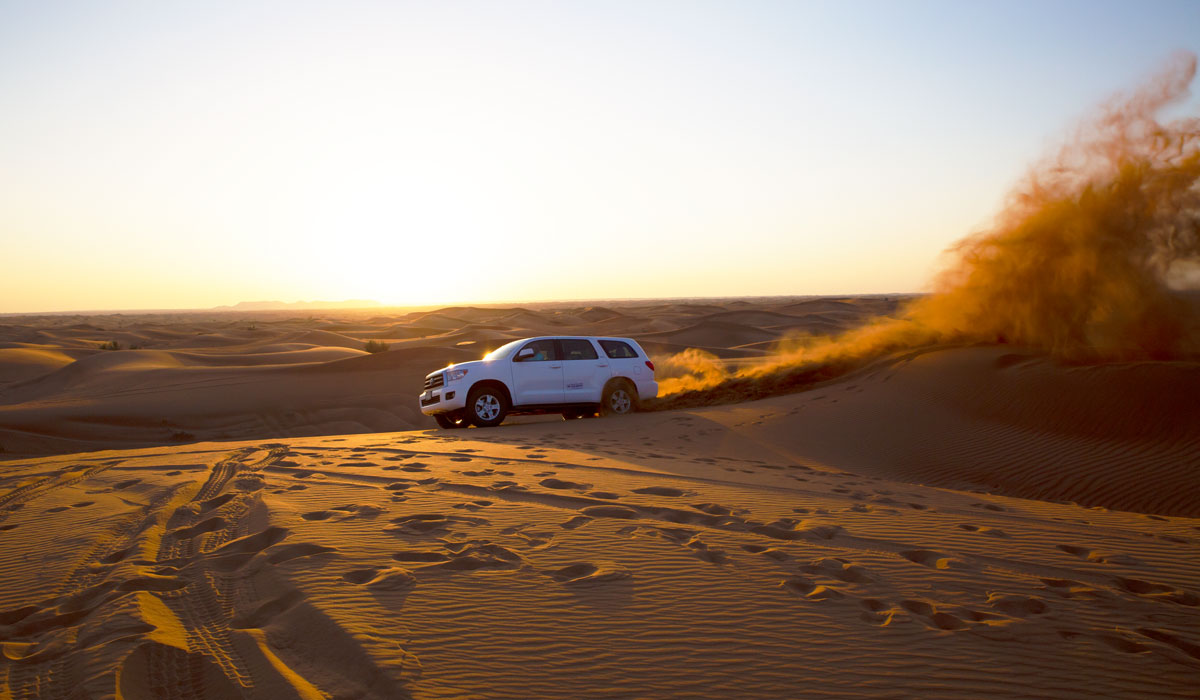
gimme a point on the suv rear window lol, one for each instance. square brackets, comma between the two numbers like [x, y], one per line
[617, 350]
[578, 349]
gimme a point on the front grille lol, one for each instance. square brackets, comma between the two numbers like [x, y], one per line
[430, 401]
[435, 381]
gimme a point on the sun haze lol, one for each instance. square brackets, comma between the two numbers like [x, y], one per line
[173, 156]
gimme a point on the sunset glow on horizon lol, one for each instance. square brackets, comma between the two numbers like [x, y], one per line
[187, 156]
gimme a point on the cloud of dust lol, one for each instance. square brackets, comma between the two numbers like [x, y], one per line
[1081, 262]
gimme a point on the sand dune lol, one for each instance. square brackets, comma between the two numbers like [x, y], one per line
[712, 334]
[945, 523]
[1119, 436]
[662, 555]
[18, 364]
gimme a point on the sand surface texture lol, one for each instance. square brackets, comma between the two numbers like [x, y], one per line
[958, 522]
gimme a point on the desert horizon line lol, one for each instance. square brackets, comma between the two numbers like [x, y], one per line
[324, 305]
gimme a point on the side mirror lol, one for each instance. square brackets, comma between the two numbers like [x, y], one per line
[524, 354]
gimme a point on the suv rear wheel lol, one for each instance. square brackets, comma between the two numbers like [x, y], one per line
[618, 399]
[486, 406]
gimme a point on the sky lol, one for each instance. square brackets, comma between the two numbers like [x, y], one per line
[186, 155]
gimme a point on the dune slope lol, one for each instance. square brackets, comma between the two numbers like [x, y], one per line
[674, 554]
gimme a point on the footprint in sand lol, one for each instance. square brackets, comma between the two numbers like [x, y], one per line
[384, 578]
[117, 556]
[932, 617]
[420, 556]
[576, 522]
[701, 549]
[840, 569]
[1171, 640]
[1160, 591]
[429, 524]
[810, 590]
[877, 612]
[769, 552]
[932, 559]
[1124, 644]
[610, 512]
[661, 491]
[209, 525]
[1017, 605]
[603, 495]
[715, 509]
[990, 531]
[476, 556]
[1099, 557]
[585, 573]
[561, 484]
[215, 502]
[793, 529]
[1068, 588]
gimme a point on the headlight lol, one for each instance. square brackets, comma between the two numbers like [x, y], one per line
[453, 374]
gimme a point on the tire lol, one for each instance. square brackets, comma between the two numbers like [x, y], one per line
[620, 399]
[486, 407]
[450, 421]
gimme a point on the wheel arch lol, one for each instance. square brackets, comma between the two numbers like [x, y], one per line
[492, 383]
[619, 380]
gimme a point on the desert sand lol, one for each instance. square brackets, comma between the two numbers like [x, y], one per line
[250, 505]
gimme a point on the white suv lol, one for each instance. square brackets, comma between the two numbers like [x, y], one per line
[574, 375]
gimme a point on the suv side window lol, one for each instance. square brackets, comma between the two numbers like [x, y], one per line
[617, 350]
[543, 351]
[578, 349]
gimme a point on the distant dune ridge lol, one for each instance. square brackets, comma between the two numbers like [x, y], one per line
[298, 305]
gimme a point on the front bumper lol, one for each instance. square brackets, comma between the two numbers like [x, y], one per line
[443, 398]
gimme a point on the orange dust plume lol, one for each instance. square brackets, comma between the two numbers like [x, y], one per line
[1083, 262]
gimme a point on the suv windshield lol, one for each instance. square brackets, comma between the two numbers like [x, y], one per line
[502, 351]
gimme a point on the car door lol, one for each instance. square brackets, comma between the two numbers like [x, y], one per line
[625, 360]
[584, 370]
[537, 373]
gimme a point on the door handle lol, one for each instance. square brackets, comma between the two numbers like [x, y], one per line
[555, 366]
[601, 364]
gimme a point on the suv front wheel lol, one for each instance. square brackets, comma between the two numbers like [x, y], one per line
[449, 421]
[486, 407]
